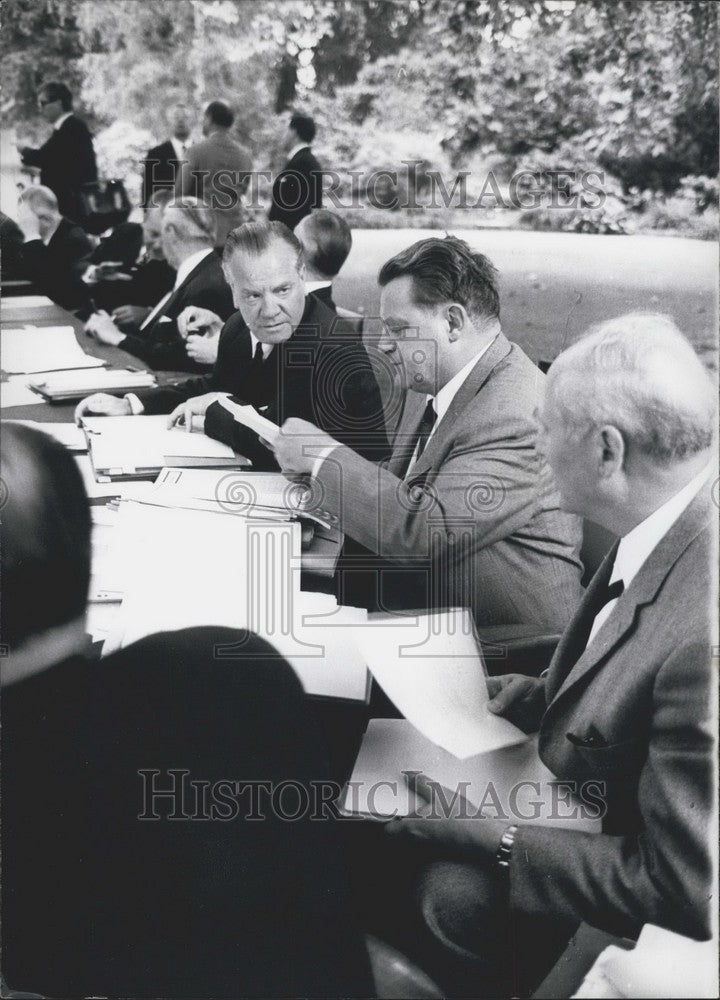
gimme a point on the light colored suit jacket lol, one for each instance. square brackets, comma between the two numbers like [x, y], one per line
[635, 711]
[217, 170]
[478, 517]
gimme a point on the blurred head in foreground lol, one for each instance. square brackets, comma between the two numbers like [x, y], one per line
[628, 419]
[45, 541]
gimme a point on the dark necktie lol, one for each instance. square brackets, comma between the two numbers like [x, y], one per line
[606, 593]
[258, 356]
[425, 428]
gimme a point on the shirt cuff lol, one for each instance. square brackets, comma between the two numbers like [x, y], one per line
[321, 458]
[135, 405]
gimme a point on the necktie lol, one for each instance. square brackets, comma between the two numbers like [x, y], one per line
[258, 356]
[425, 429]
[606, 596]
[605, 593]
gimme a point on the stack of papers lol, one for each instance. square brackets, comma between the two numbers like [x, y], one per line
[16, 392]
[43, 349]
[139, 447]
[62, 387]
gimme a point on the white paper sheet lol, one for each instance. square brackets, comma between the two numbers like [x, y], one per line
[70, 435]
[237, 491]
[43, 349]
[96, 490]
[16, 392]
[250, 417]
[126, 444]
[431, 668]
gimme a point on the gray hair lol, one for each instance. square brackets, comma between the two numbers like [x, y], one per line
[194, 219]
[640, 374]
[255, 238]
[39, 198]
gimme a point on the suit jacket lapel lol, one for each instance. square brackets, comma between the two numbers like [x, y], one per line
[406, 434]
[499, 349]
[563, 676]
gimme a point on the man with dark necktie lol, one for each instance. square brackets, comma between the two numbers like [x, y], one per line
[465, 512]
[626, 706]
[279, 353]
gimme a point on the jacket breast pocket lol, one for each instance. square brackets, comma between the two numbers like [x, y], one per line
[623, 760]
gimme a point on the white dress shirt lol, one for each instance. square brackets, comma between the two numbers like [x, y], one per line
[266, 348]
[183, 271]
[635, 547]
[63, 118]
[312, 286]
[179, 147]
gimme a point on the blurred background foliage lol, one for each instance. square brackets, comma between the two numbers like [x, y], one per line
[625, 88]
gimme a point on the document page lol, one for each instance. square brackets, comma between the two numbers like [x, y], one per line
[250, 417]
[431, 668]
[43, 349]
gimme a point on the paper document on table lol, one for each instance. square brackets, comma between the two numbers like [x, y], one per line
[16, 392]
[133, 446]
[70, 435]
[43, 349]
[107, 489]
[510, 783]
[28, 302]
[236, 492]
[250, 417]
[431, 668]
[60, 387]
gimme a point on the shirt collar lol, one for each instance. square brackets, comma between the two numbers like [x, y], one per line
[445, 396]
[312, 286]
[61, 120]
[636, 546]
[180, 148]
[189, 264]
[296, 149]
[266, 348]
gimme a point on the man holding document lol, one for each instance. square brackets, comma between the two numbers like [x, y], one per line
[627, 703]
[281, 353]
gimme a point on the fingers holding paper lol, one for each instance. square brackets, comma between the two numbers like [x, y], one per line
[190, 413]
[517, 698]
[298, 446]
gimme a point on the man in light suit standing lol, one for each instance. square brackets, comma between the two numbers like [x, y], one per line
[465, 513]
[628, 701]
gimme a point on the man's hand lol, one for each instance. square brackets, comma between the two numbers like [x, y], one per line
[298, 445]
[194, 319]
[100, 404]
[519, 699]
[130, 317]
[102, 328]
[204, 350]
[446, 819]
[190, 413]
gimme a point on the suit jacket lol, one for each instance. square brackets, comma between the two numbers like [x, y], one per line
[297, 189]
[160, 170]
[66, 161]
[646, 687]
[218, 171]
[160, 345]
[56, 268]
[150, 280]
[477, 523]
[102, 899]
[321, 374]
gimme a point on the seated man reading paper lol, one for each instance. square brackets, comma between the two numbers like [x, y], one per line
[627, 704]
[280, 352]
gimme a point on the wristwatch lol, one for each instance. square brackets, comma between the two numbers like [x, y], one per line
[504, 851]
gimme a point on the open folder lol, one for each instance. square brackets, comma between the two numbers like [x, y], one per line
[139, 447]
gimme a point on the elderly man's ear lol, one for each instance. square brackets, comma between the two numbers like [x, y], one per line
[612, 450]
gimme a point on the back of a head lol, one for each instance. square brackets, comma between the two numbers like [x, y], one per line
[55, 91]
[45, 536]
[255, 238]
[159, 198]
[40, 199]
[640, 374]
[331, 241]
[445, 269]
[220, 114]
[193, 219]
[303, 126]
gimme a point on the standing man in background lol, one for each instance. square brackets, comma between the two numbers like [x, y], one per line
[217, 170]
[67, 159]
[162, 164]
[298, 187]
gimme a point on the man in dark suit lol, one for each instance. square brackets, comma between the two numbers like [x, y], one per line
[56, 251]
[298, 187]
[162, 164]
[217, 170]
[67, 159]
[627, 704]
[278, 353]
[465, 513]
[327, 241]
[188, 239]
[124, 889]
